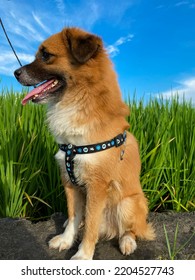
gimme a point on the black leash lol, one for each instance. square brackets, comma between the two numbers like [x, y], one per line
[10, 42]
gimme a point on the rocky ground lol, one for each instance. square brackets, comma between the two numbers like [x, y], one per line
[21, 239]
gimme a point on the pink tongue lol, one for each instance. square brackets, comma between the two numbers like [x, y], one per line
[36, 91]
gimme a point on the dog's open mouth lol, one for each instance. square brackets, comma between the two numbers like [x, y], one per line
[42, 91]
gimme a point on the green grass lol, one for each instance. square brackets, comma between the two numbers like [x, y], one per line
[29, 178]
[166, 133]
[173, 249]
[30, 184]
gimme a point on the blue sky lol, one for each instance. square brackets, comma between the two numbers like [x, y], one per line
[151, 42]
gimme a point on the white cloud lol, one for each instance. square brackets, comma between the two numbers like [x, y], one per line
[60, 6]
[181, 3]
[26, 58]
[28, 24]
[40, 23]
[186, 88]
[123, 40]
[8, 62]
[27, 31]
[113, 49]
[9, 57]
[190, 4]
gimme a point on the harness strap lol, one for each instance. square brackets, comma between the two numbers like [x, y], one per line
[71, 151]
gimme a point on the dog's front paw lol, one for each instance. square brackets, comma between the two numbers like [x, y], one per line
[127, 245]
[83, 253]
[81, 256]
[60, 242]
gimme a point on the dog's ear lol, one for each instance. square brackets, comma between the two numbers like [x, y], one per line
[82, 45]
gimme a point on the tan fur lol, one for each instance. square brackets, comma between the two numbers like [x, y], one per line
[91, 111]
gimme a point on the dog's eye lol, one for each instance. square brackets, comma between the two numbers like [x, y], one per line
[45, 56]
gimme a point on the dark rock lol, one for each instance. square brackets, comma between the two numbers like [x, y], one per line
[21, 239]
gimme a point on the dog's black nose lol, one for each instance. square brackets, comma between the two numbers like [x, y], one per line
[17, 73]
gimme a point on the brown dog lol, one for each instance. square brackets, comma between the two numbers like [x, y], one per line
[100, 164]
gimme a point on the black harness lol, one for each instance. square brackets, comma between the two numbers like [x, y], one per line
[71, 151]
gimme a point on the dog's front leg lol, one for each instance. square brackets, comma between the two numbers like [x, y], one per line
[95, 203]
[75, 204]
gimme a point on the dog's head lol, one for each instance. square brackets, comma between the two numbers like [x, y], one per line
[59, 59]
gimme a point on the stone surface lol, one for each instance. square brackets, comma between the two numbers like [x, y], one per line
[21, 239]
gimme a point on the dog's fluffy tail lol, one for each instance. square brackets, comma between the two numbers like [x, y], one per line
[148, 233]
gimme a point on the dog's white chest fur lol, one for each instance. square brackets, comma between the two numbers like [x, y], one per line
[63, 125]
[66, 131]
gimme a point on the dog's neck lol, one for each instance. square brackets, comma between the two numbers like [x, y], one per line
[78, 120]
[68, 124]
[63, 127]
[66, 128]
